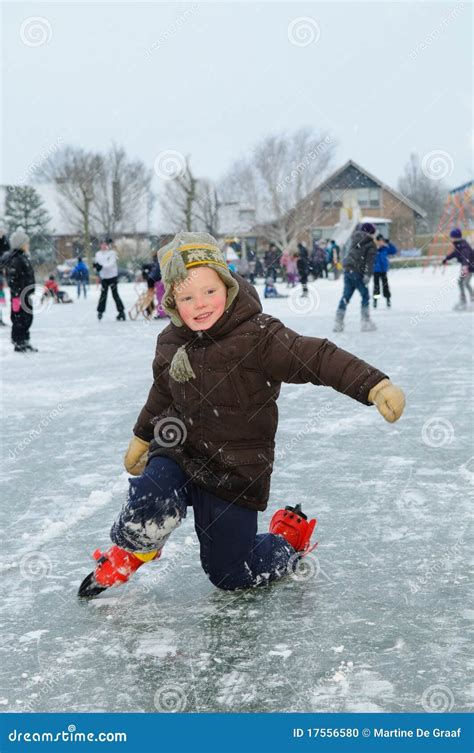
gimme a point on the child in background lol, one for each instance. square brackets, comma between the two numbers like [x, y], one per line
[206, 435]
[51, 288]
[270, 290]
[464, 254]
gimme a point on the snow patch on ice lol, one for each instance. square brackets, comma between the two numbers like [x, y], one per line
[33, 635]
[281, 649]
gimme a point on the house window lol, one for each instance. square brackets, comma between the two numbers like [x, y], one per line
[336, 199]
[326, 199]
[374, 197]
[363, 197]
[331, 198]
[247, 215]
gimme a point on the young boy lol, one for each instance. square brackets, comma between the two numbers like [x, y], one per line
[205, 436]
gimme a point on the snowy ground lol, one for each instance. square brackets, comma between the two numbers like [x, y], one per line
[380, 619]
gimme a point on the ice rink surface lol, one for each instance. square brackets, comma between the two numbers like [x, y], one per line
[378, 619]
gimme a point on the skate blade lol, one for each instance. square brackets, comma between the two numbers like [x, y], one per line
[89, 588]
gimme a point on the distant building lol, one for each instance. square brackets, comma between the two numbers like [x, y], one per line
[352, 194]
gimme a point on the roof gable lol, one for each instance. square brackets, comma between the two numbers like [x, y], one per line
[358, 173]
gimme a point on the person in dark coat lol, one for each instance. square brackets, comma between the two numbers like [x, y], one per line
[271, 261]
[381, 267]
[21, 281]
[464, 254]
[206, 434]
[4, 248]
[303, 267]
[358, 266]
[335, 255]
[318, 260]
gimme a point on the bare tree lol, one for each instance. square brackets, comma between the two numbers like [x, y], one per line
[75, 173]
[124, 192]
[281, 171]
[179, 200]
[207, 207]
[428, 193]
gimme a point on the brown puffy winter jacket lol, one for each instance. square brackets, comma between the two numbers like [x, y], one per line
[220, 427]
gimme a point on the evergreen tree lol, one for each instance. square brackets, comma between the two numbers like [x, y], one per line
[24, 208]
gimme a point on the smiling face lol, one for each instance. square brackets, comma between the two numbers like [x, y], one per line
[201, 298]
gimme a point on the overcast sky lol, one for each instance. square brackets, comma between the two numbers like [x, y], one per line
[210, 79]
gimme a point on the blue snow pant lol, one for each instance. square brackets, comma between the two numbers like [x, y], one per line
[232, 554]
[352, 282]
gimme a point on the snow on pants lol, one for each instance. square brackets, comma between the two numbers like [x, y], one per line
[232, 554]
[111, 283]
[352, 282]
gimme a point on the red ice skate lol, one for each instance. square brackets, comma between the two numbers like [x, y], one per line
[293, 525]
[115, 566]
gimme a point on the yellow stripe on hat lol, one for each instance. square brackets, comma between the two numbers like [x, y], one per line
[194, 246]
[206, 263]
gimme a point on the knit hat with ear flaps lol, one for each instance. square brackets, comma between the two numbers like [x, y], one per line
[177, 260]
[186, 251]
